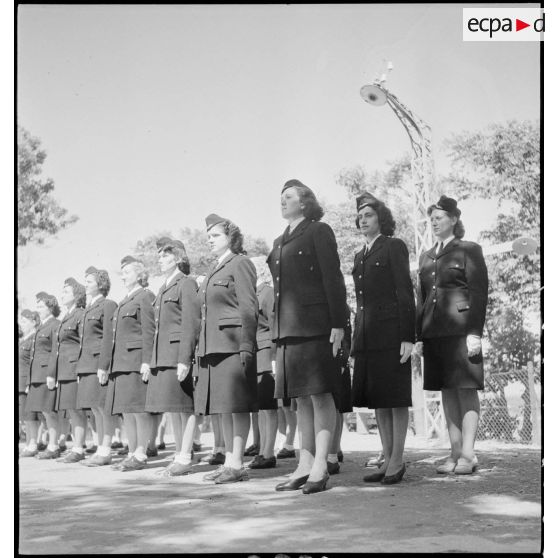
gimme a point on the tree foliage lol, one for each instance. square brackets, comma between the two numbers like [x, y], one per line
[39, 214]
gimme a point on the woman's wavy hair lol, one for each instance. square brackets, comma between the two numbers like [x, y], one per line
[182, 261]
[103, 281]
[236, 238]
[143, 274]
[79, 294]
[311, 208]
[458, 228]
[385, 218]
[50, 302]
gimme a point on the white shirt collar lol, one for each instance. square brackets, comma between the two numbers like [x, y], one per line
[371, 242]
[95, 299]
[294, 224]
[440, 245]
[133, 290]
[43, 322]
[223, 256]
[30, 334]
[169, 279]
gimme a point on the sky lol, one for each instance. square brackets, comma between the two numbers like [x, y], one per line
[155, 116]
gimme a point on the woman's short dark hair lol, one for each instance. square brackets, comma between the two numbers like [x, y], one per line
[103, 281]
[182, 261]
[458, 228]
[311, 207]
[385, 218]
[79, 295]
[236, 238]
[51, 303]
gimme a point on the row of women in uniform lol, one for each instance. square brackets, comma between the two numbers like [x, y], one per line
[199, 350]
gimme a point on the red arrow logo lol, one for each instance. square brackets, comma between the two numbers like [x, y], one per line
[519, 25]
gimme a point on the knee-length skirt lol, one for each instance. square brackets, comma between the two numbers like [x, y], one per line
[126, 393]
[380, 381]
[266, 391]
[306, 366]
[40, 399]
[225, 386]
[166, 394]
[90, 393]
[66, 398]
[447, 364]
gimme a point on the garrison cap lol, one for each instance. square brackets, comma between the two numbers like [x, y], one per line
[449, 205]
[212, 220]
[365, 200]
[42, 294]
[128, 260]
[30, 315]
[71, 282]
[163, 242]
[293, 182]
[91, 270]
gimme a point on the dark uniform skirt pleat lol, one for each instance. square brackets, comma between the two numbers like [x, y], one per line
[90, 393]
[225, 386]
[380, 381]
[126, 393]
[40, 398]
[67, 395]
[166, 394]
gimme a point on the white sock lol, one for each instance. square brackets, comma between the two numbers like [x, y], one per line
[288, 447]
[53, 447]
[332, 458]
[32, 447]
[182, 459]
[103, 451]
[77, 449]
[140, 455]
[220, 449]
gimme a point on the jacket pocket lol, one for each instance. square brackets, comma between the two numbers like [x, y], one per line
[233, 321]
[131, 314]
[462, 306]
[130, 345]
[171, 299]
[221, 283]
[175, 336]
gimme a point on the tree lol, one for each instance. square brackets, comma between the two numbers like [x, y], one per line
[39, 214]
[197, 249]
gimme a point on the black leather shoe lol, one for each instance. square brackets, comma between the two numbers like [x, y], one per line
[285, 453]
[252, 451]
[312, 487]
[263, 462]
[162, 446]
[41, 446]
[196, 446]
[394, 479]
[333, 468]
[92, 449]
[374, 477]
[217, 459]
[151, 452]
[124, 451]
[116, 445]
[292, 484]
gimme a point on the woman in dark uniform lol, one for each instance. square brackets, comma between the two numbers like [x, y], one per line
[42, 386]
[227, 374]
[28, 322]
[177, 319]
[452, 302]
[94, 361]
[267, 404]
[310, 315]
[63, 365]
[130, 348]
[384, 333]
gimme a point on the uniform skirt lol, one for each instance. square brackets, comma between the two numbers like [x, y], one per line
[23, 415]
[225, 386]
[90, 393]
[448, 366]
[305, 366]
[126, 393]
[266, 391]
[166, 394]
[67, 395]
[380, 381]
[40, 399]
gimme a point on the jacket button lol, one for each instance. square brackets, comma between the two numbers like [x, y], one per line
[434, 287]
[434, 300]
[362, 307]
[377, 263]
[277, 278]
[300, 252]
[360, 292]
[433, 273]
[277, 294]
[360, 276]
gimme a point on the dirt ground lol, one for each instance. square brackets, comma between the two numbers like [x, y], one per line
[71, 509]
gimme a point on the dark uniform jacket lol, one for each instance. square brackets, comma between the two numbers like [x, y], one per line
[177, 323]
[64, 357]
[133, 328]
[385, 310]
[453, 291]
[43, 345]
[25, 346]
[95, 324]
[265, 346]
[310, 295]
[229, 307]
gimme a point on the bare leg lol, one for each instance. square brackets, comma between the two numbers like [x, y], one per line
[31, 433]
[227, 427]
[176, 423]
[218, 439]
[385, 426]
[130, 425]
[469, 407]
[262, 431]
[108, 428]
[188, 437]
[52, 425]
[255, 430]
[305, 413]
[281, 421]
[241, 428]
[268, 449]
[336, 438]
[324, 425]
[399, 425]
[79, 423]
[452, 412]
[144, 429]
[291, 418]
[158, 424]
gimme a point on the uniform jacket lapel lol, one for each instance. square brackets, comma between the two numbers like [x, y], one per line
[448, 247]
[174, 281]
[299, 230]
[378, 243]
[220, 266]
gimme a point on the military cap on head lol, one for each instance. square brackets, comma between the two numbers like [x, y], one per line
[31, 316]
[293, 182]
[162, 242]
[449, 205]
[365, 200]
[91, 270]
[212, 220]
[42, 294]
[71, 282]
[128, 260]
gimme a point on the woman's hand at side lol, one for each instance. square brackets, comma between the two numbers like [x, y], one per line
[181, 371]
[405, 351]
[336, 338]
[418, 348]
[144, 371]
